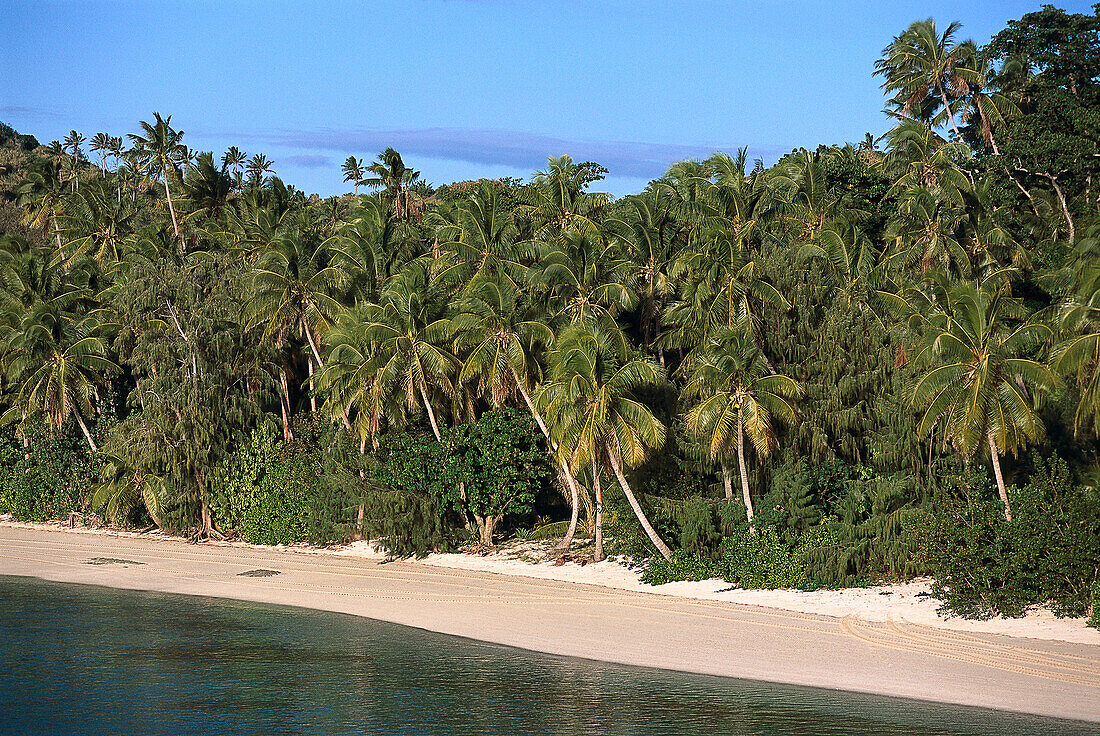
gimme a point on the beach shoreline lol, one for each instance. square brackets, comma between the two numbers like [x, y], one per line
[597, 612]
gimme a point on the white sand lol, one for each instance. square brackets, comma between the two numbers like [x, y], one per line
[902, 602]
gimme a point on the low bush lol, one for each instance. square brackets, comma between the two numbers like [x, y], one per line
[984, 565]
[46, 479]
[274, 492]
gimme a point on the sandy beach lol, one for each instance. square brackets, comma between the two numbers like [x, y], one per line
[887, 641]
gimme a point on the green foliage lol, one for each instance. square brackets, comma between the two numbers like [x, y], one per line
[684, 565]
[1048, 554]
[502, 460]
[48, 478]
[1094, 604]
[274, 492]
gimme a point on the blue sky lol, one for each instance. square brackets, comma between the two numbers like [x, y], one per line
[466, 88]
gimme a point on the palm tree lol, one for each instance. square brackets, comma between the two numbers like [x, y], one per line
[986, 106]
[392, 353]
[925, 69]
[54, 363]
[42, 197]
[259, 166]
[160, 151]
[654, 236]
[208, 187]
[584, 279]
[353, 172]
[395, 180]
[499, 337]
[477, 240]
[73, 145]
[733, 387]
[979, 385]
[293, 292]
[1078, 320]
[97, 224]
[101, 144]
[849, 257]
[561, 202]
[592, 415]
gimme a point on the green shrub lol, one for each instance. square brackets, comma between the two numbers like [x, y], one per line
[684, 565]
[760, 559]
[986, 566]
[273, 492]
[47, 479]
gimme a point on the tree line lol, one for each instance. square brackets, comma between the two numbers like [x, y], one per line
[817, 341]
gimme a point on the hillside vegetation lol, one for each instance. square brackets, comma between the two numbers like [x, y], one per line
[865, 362]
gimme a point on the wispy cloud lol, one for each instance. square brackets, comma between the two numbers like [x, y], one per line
[30, 113]
[524, 151]
[308, 161]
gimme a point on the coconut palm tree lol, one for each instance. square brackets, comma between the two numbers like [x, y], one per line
[233, 160]
[926, 70]
[160, 152]
[653, 235]
[979, 384]
[101, 144]
[592, 414]
[1078, 324]
[735, 394]
[259, 166]
[499, 337]
[353, 172]
[54, 363]
[208, 187]
[392, 353]
[477, 240]
[73, 145]
[293, 292]
[97, 224]
[395, 180]
[42, 197]
[560, 202]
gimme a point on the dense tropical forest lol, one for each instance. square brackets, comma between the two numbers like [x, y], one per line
[865, 362]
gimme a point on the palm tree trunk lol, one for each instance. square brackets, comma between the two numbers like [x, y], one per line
[727, 484]
[312, 344]
[994, 455]
[431, 414]
[649, 530]
[950, 114]
[312, 396]
[597, 555]
[570, 481]
[574, 513]
[1072, 233]
[172, 211]
[288, 431]
[87, 434]
[741, 462]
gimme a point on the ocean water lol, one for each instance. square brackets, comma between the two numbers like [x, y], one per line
[86, 660]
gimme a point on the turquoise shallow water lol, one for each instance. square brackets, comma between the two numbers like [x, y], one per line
[85, 660]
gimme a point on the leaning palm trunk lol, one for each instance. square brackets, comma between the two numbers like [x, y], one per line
[570, 481]
[741, 462]
[994, 455]
[574, 513]
[87, 434]
[649, 530]
[172, 211]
